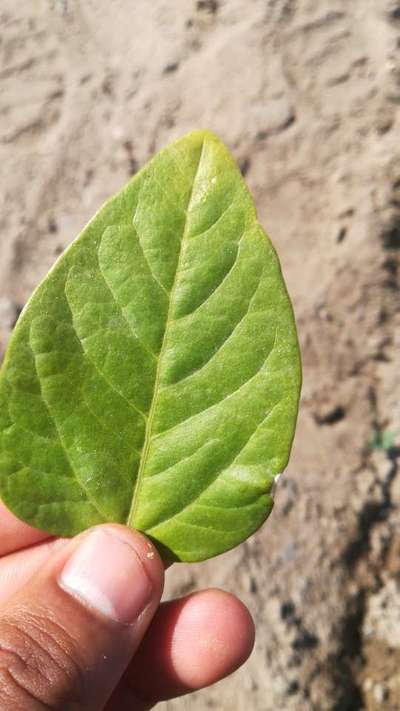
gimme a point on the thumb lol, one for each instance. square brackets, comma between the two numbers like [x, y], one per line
[68, 636]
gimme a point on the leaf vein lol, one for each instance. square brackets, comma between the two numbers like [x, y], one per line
[135, 227]
[220, 283]
[105, 427]
[94, 504]
[153, 276]
[219, 473]
[220, 402]
[40, 472]
[224, 342]
[122, 312]
[184, 459]
[217, 220]
[101, 374]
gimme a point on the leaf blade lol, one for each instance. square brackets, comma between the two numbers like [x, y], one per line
[165, 333]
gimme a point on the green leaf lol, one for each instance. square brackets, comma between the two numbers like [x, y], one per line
[153, 378]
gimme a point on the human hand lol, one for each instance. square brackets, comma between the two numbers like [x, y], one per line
[81, 627]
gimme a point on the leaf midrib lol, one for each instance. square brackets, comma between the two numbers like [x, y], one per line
[169, 320]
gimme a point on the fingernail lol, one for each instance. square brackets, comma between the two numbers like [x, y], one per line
[106, 573]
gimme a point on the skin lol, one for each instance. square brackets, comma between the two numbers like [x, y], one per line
[57, 653]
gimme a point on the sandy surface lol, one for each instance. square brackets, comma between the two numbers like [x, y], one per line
[306, 93]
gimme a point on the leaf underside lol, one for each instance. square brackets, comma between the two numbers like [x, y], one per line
[153, 378]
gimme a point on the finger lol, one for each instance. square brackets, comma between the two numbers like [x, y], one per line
[15, 534]
[69, 634]
[17, 568]
[191, 643]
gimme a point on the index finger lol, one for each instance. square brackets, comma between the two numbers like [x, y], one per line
[15, 534]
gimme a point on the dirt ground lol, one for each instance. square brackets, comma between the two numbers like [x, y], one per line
[306, 93]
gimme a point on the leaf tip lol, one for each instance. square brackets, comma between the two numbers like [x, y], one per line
[201, 135]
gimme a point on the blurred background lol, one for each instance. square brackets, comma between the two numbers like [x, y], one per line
[306, 94]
